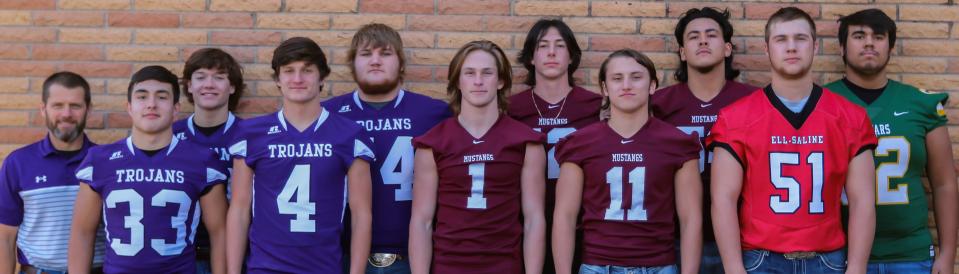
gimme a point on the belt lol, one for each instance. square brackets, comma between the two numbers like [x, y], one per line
[800, 255]
[384, 259]
[28, 269]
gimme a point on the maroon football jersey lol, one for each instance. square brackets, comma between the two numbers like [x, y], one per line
[479, 226]
[628, 199]
[678, 106]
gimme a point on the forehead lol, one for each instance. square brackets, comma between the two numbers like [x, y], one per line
[479, 59]
[789, 28]
[210, 70]
[298, 64]
[152, 86]
[624, 64]
[861, 29]
[60, 92]
[701, 25]
[551, 34]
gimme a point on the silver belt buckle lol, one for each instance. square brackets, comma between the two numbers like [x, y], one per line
[383, 259]
[801, 255]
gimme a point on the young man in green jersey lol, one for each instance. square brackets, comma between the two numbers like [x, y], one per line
[913, 142]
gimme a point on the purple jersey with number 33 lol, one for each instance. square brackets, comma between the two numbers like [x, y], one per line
[299, 190]
[151, 204]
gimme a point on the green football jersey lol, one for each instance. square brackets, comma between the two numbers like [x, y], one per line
[901, 116]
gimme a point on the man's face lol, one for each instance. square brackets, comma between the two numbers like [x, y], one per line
[210, 88]
[299, 81]
[377, 69]
[790, 48]
[151, 106]
[866, 52]
[551, 57]
[703, 46]
[65, 112]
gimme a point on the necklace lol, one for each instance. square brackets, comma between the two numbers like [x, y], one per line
[532, 96]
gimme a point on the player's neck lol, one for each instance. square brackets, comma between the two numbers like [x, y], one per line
[152, 141]
[875, 81]
[211, 117]
[302, 115]
[552, 90]
[627, 124]
[72, 145]
[380, 98]
[706, 86]
[793, 89]
[478, 120]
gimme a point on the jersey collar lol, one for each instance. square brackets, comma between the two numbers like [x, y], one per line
[359, 103]
[169, 149]
[47, 149]
[319, 121]
[795, 119]
[230, 118]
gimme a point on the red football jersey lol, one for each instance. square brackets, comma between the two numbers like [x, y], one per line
[795, 167]
[479, 227]
[628, 199]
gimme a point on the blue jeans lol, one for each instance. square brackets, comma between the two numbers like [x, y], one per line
[763, 261]
[203, 267]
[711, 262]
[45, 271]
[610, 269]
[923, 267]
[398, 267]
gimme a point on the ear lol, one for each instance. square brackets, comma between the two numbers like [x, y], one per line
[682, 54]
[815, 46]
[176, 109]
[728, 49]
[500, 84]
[129, 109]
[43, 110]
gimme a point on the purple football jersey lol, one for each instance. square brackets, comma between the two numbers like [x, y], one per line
[38, 188]
[218, 141]
[678, 106]
[628, 191]
[479, 227]
[299, 190]
[151, 204]
[391, 130]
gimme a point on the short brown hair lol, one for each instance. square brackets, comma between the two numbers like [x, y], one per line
[215, 59]
[299, 49]
[640, 58]
[503, 71]
[377, 35]
[789, 14]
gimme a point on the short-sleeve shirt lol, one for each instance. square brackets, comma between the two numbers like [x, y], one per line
[151, 204]
[299, 190]
[391, 130]
[37, 192]
[629, 199]
[479, 227]
[794, 167]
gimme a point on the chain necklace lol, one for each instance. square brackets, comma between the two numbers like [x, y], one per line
[532, 95]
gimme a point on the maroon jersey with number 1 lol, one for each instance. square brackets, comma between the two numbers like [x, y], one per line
[479, 226]
[628, 191]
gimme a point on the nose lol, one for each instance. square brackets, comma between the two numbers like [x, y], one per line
[375, 59]
[702, 40]
[478, 81]
[551, 50]
[869, 40]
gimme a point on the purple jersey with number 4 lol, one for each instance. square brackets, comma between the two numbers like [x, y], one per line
[628, 200]
[151, 204]
[299, 190]
[391, 130]
[478, 228]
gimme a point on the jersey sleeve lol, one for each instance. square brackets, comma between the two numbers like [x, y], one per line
[934, 110]
[217, 172]
[723, 137]
[689, 148]
[238, 147]
[863, 137]
[361, 150]
[569, 149]
[84, 171]
[11, 205]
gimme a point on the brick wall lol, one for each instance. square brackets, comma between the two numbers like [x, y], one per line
[106, 40]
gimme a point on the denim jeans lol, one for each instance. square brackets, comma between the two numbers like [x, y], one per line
[203, 267]
[763, 261]
[398, 267]
[711, 262]
[923, 267]
[609, 269]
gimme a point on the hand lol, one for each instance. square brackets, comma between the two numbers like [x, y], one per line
[942, 265]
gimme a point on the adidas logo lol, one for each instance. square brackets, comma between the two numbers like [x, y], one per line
[116, 155]
[273, 129]
[345, 108]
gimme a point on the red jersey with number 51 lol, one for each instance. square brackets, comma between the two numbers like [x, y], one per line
[479, 227]
[794, 167]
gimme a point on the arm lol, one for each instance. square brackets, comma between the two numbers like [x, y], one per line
[534, 223]
[213, 206]
[425, 181]
[569, 192]
[238, 216]
[8, 252]
[83, 231]
[361, 216]
[942, 177]
[727, 183]
[861, 190]
[689, 190]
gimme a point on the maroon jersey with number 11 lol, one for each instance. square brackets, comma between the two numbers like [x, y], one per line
[479, 226]
[628, 191]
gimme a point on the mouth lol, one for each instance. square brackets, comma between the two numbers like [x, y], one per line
[792, 60]
[703, 52]
[870, 53]
[479, 91]
[627, 94]
[151, 116]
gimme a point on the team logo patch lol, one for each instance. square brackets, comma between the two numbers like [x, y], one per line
[345, 108]
[940, 109]
[116, 155]
[41, 178]
[273, 129]
[181, 136]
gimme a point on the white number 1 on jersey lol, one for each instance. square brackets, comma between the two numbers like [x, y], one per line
[637, 179]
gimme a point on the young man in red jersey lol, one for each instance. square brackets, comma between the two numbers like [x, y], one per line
[787, 153]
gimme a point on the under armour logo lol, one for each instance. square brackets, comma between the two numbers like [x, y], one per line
[345, 108]
[41, 179]
[116, 155]
[273, 129]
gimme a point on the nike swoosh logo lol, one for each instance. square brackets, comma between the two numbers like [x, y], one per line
[897, 114]
[552, 106]
[705, 105]
[477, 142]
[625, 141]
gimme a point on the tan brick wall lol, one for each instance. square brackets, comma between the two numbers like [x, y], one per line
[106, 40]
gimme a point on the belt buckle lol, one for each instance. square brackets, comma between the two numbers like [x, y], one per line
[801, 255]
[383, 259]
